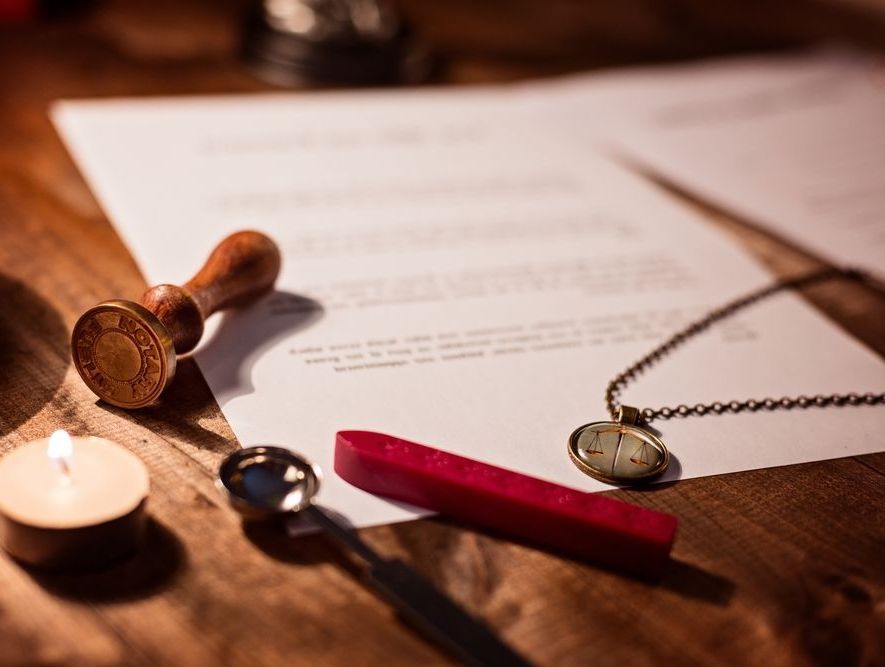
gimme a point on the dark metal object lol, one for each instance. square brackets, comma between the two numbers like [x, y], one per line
[614, 387]
[349, 42]
[265, 481]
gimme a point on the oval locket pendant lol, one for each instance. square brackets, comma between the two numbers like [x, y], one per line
[618, 452]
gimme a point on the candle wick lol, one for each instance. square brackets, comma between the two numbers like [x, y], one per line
[65, 466]
[60, 450]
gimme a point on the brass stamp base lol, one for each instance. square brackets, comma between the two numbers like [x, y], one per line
[123, 353]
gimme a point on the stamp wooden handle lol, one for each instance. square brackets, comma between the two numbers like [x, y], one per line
[242, 267]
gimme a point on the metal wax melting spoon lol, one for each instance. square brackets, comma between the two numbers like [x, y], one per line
[263, 481]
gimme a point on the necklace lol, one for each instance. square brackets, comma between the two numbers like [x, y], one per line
[624, 451]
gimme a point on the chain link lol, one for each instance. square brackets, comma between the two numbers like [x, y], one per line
[614, 388]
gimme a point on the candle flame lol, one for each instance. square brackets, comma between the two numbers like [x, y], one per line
[61, 450]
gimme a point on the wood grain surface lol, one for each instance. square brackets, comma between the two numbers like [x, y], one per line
[780, 566]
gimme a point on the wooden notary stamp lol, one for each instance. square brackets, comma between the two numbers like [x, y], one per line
[126, 352]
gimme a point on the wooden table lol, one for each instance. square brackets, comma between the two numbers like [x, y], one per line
[779, 566]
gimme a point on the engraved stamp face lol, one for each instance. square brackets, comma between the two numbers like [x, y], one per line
[119, 356]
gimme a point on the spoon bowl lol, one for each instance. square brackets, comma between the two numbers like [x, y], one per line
[263, 481]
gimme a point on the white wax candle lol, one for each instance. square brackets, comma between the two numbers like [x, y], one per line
[53, 500]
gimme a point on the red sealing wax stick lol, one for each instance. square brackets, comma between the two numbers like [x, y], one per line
[603, 530]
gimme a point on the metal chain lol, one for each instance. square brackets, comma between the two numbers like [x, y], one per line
[613, 390]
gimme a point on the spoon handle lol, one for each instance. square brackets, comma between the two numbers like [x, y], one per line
[440, 619]
[429, 610]
[341, 533]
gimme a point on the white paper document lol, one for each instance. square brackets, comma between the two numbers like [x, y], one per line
[794, 144]
[456, 275]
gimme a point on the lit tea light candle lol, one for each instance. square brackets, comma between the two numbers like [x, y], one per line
[71, 502]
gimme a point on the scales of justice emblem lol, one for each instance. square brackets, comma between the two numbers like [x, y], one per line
[618, 452]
